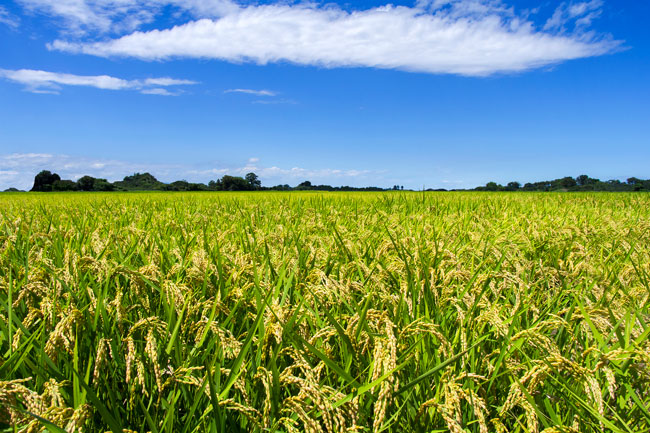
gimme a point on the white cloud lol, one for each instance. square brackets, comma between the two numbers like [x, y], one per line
[84, 16]
[282, 175]
[158, 91]
[274, 101]
[166, 81]
[581, 14]
[18, 170]
[466, 37]
[252, 92]
[50, 82]
[8, 19]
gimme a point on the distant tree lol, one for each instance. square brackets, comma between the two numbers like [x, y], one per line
[513, 186]
[183, 185]
[634, 181]
[64, 185]
[253, 181]
[140, 182]
[12, 190]
[44, 181]
[491, 186]
[234, 183]
[582, 180]
[304, 185]
[86, 183]
[103, 185]
[564, 183]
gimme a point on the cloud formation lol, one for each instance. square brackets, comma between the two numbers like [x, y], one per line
[51, 82]
[580, 15]
[252, 92]
[8, 19]
[18, 170]
[465, 37]
[117, 16]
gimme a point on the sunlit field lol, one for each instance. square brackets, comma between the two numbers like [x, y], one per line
[325, 312]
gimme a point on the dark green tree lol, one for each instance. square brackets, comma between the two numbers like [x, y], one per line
[253, 181]
[103, 185]
[86, 183]
[64, 185]
[141, 182]
[634, 181]
[44, 180]
[234, 183]
[564, 183]
[513, 186]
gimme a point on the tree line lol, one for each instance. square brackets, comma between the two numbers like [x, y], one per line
[46, 181]
[580, 183]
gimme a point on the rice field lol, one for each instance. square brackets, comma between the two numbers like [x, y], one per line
[325, 312]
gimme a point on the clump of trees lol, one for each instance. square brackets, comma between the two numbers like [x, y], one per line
[580, 183]
[236, 183]
[44, 181]
[47, 181]
[308, 186]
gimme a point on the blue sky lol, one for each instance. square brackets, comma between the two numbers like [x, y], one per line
[440, 93]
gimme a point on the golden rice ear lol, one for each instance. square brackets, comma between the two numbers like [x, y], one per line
[469, 313]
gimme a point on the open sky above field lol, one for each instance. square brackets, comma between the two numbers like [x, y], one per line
[435, 93]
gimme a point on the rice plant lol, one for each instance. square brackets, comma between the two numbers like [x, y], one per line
[325, 312]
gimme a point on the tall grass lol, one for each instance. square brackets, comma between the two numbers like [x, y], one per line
[317, 312]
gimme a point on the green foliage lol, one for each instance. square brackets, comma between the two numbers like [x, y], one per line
[580, 183]
[64, 185]
[102, 185]
[183, 185]
[139, 182]
[233, 183]
[86, 183]
[44, 180]
[278, 312]
[253, 181]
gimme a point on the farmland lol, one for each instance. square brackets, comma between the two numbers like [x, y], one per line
[325, 312]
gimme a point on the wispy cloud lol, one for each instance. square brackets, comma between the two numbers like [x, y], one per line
[252, 92]
[466, 37]
[18, 170]
[51, 82]
[580, 15]
[159, 91]
[8, 19]
[293, 174]
[274, 101]
[79, 17]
